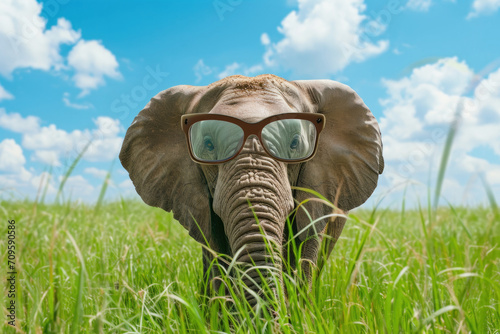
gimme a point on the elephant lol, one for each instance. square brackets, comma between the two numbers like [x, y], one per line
[234, 194]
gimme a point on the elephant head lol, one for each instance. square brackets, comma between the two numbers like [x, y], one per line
[212, 200]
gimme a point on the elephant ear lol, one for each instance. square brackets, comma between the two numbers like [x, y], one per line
[349, 159]
[155, 154]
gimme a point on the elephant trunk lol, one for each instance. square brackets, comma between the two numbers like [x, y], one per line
[258, 257]
[253, 202]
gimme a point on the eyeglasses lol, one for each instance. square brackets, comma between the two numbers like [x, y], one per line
[288, 137]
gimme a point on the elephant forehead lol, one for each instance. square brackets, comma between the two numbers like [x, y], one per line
[252, 108]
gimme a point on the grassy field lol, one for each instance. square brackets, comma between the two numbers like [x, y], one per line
[127, 268]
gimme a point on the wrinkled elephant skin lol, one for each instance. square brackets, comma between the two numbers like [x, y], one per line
[212, 201]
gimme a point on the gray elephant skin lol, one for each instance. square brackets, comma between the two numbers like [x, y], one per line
[212, 201]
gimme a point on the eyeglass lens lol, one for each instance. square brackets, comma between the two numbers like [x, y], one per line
[287, 139]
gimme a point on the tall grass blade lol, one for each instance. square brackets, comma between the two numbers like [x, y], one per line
[70, 170]
[403, 206]
[310, 191]
[104, 187]
[399, 280]
[436, 314]
[454, 127]
[489, 193]
[452, 208]
[446, 153]
[78, 307]
[47, 184]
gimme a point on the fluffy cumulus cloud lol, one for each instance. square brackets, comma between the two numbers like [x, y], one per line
[13, 174]
[78, 187]
[53, 146]
[16, 123]
[96, 172]
[483, 7]
[106, 141]
[58, 148]
[417, 113]
[92, 62]
[48, 157]
[314, 44]
[27, 42]
[11, 156]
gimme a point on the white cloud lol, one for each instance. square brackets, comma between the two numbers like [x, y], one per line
[429, 96]
[314, 44]
[92, 62]
[13, 175]
[264, 39]
[253, 70]
[127, 189]
[416, 116]
[40, 182]
[230, 69]
[104, 149]
[473, 164]
[48, 157]
[237, 68]
[17, 181]
[107, 127]
[55, 146]
[419, 5]
[25, 40]
[77, 186]
[483, 7]
[68, 103]
[50, 137]
[105, 142]
[493, 176]
[201, 70]
[126, 184]
[11, 156]
[96, 172]
[16, 123]
[5, 95]
[21, 183]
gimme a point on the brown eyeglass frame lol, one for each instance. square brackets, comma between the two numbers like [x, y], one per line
[252, 129]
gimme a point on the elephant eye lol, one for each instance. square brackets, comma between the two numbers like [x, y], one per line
[209, 145]
[295, 142]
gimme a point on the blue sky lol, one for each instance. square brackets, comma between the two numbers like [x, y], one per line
[75, 70]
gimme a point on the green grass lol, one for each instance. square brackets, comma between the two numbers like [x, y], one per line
[127, 268]
[130, 268]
